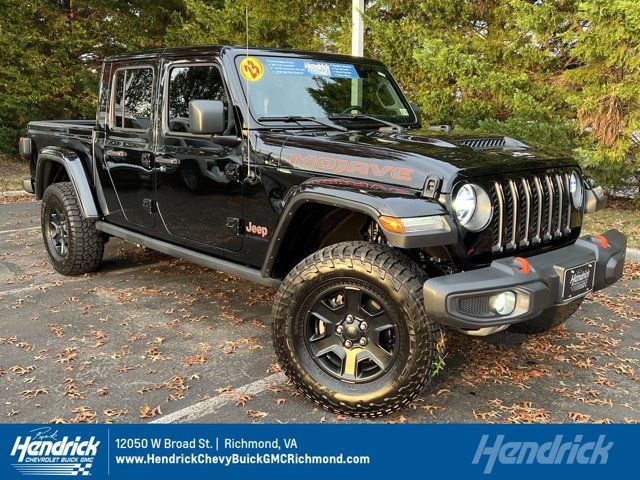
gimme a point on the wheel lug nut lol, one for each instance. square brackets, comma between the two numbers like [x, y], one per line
[348, 344]
[349, 318]
[363, 326]
[363, 341]
[339, 329]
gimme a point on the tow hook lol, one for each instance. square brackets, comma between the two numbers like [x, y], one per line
[523, 265]
[601, 240]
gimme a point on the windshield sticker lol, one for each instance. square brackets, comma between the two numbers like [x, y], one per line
[251, 68]
[310, 68]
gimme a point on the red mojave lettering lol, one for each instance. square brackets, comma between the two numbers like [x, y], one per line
[341, 165]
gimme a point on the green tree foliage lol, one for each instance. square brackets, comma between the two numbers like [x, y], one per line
[52, 49]
[561, 72]
[300, 24]
[481, 63]
[604, 88]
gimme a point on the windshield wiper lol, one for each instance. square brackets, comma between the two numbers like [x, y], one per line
[298, 118]
[360, 116]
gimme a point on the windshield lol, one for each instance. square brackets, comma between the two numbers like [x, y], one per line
[292, 87]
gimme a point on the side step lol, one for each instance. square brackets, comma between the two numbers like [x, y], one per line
[248, 273]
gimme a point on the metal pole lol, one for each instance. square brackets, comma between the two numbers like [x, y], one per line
[357, 48]
[357, 29]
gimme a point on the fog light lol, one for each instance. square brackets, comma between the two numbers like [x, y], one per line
[504, 303]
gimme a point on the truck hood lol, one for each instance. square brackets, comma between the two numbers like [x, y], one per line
[407, 159]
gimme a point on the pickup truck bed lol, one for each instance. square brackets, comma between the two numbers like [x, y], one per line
[71, 134]
[66, 126]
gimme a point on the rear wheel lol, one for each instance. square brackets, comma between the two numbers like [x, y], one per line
[351, 331]
[72, 241]
[549, 319]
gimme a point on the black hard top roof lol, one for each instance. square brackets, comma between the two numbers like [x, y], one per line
[233, 50]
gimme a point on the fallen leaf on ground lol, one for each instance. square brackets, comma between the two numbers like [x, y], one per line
[196, 359]
[20, 370]
[256, 414]
[25, 394]
[148, 412]
[112, 412]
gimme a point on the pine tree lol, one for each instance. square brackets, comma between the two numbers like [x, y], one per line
[604, 87]
[51, 54]
[560, 72]
[300, 24]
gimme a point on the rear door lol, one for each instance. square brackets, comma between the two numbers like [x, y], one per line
[129, 141]
[198, 193]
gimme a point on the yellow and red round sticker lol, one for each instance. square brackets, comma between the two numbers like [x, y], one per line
[251, 68]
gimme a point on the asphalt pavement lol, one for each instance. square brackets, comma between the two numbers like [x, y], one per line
[152, 338]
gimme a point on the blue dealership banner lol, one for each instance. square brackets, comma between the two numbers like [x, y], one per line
[316, 451]
[310, 68]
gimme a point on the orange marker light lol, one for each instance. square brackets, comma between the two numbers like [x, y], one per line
[392, 224]
[604, 243]
[523, 265]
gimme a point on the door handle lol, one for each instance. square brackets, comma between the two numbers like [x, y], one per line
[116, 153]
[167, 161]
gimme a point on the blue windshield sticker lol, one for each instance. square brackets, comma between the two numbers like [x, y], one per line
[310, 68]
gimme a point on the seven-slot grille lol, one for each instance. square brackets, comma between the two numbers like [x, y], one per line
[530, 210]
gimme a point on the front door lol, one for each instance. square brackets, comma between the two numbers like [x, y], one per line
[128, 144]
[198, 192]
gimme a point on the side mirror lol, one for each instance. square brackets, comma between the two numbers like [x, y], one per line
[206, 117]
[594, 199]
[416, 110]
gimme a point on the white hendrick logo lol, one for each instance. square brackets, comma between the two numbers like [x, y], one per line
[579, 277]
[556, 452]
[43, 452]
[318, 68]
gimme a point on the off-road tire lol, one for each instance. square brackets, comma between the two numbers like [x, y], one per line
[400, 280]
[85, 243]
[547, 320]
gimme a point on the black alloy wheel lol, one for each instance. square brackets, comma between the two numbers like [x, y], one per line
[351, 330]
[350, 333]
[72, 242]
[57, 232]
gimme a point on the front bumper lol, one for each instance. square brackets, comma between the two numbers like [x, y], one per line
[460, 300]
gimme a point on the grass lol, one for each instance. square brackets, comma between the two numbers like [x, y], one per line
[12, 169]
[622, 214]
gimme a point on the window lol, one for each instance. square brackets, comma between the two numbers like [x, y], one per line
[319, 88]
[133, 98]
[202, 82]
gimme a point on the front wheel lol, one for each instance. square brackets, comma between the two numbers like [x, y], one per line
[351, 331]
[72, 241]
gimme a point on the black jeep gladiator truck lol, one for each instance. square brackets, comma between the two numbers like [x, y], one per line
[311, 173]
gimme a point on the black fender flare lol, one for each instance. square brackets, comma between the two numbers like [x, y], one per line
[76, 172]
[372, 203]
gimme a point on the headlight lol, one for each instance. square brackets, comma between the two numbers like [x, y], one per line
[472, 206]
[465, 204]
[576, 189]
